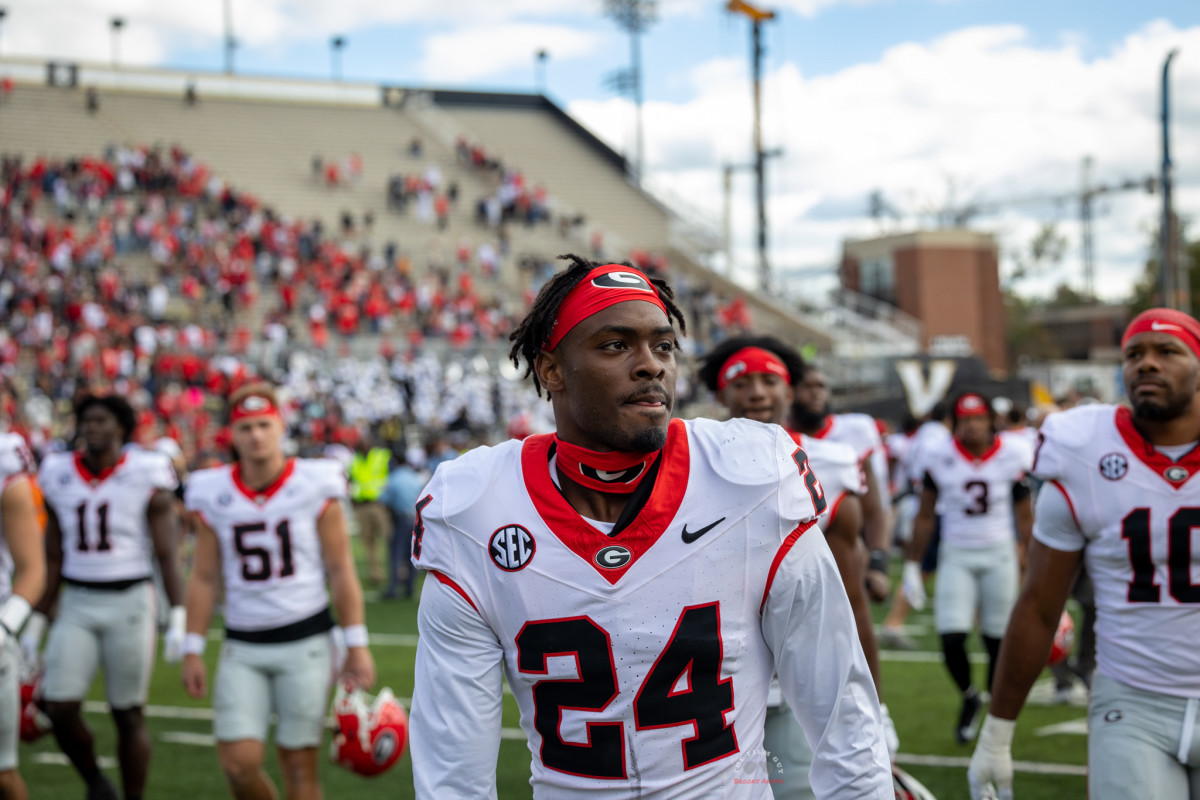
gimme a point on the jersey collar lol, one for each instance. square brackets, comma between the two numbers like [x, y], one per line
[263, 495]
[1175, 473]
[95, 479]
[974, 459]
[826, 427]
[583, 539]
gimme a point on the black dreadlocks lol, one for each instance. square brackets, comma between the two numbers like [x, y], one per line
[531, 335]
[710, 368]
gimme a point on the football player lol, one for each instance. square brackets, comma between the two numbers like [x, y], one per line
[109, 511]
[638, 578]
[272, 531]
[810, 415]
[22, 580]
[975, 481]
[1120, 493]
[751, 377]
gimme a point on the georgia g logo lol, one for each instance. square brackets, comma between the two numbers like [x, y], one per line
[621, 280]
[613, 557]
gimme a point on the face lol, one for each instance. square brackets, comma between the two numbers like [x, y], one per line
[974, 430]
[763, 396]
[1162, 376]
[812, 395]
[612, 379]
[258, 438]
[100, 430]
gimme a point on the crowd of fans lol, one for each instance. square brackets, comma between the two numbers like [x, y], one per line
[143, 273]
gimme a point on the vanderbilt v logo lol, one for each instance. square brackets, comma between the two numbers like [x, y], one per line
[922, 394]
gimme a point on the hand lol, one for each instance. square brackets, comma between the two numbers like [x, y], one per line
[173, 638]
[990, 773]
[359, 671]
[195, 676]
[879, 585]
[31, 638]
[889, 732]
[914, 585]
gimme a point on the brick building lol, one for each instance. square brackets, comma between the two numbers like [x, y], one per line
[949, 280]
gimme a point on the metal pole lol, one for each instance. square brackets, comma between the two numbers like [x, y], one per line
[336, 44]
[539, 72]
[3, 14]
[1085, 229]
[228, 37]
[764, 266]
[727, 217]
[635, 40]
[1166, 255]
[116, 23]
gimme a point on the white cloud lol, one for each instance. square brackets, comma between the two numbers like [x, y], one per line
[983, 110]
[475, 53]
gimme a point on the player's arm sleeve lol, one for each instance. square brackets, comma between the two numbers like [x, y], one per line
[332, 483]
[457, 701]
[1054, 521]
[162, 473]
[808, 625]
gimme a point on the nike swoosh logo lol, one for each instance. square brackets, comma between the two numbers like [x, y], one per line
[691, 536]
[1158, 326]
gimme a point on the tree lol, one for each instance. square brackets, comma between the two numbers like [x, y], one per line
[1146, 290]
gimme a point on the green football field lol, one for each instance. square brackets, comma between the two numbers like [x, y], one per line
[1050, 748]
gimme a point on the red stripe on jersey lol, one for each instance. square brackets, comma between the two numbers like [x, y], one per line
[1070, 503]
[784, 549]
[581, 538]
[92, 479]
[833, 507]
[974, 459]
[447, 582]
[826, 427]
[1149, 455]
[325, 507]
[265, 494]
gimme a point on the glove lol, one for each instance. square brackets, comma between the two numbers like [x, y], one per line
[990, 773]
[914, 585]
[889, 732]
[173, 639]
[31, 638]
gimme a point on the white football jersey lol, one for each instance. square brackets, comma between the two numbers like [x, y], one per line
[1136, 512]
[640, 661]
[975, 494]
[105, 533]
[931, 434]
[271, 560]
[860, 433]
[838, 471]
[15, 462]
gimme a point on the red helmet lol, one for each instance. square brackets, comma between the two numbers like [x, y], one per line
[34, 723]
[1064, 640]
[371, 732]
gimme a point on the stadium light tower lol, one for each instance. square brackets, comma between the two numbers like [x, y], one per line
[634, 17]
[3, 14]
[757, 17]
[116, 24]
[539, 70]
[335, 56]
[230, 42]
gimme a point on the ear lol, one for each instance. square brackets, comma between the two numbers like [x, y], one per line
[721, 396]
[549, 369]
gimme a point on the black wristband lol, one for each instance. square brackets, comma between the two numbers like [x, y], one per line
[878, 561]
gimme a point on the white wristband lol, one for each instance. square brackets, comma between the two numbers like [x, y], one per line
[355, 635]
[997, 732]
[194, 644]
[13, 613]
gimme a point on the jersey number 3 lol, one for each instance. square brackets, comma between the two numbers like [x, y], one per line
[684, 687]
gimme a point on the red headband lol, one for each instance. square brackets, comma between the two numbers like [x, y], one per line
[1169, 321]
[749, 360]
[603, 287]
[254, 405]
[971, 405]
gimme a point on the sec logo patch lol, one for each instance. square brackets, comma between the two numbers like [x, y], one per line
[1114, 466]
[512, 548]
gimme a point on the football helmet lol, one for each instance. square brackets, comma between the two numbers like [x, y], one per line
[1064, 640]
[371, 732]
[909, 788]
[34, 722]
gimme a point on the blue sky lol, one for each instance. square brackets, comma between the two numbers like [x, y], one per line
[928, 101]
